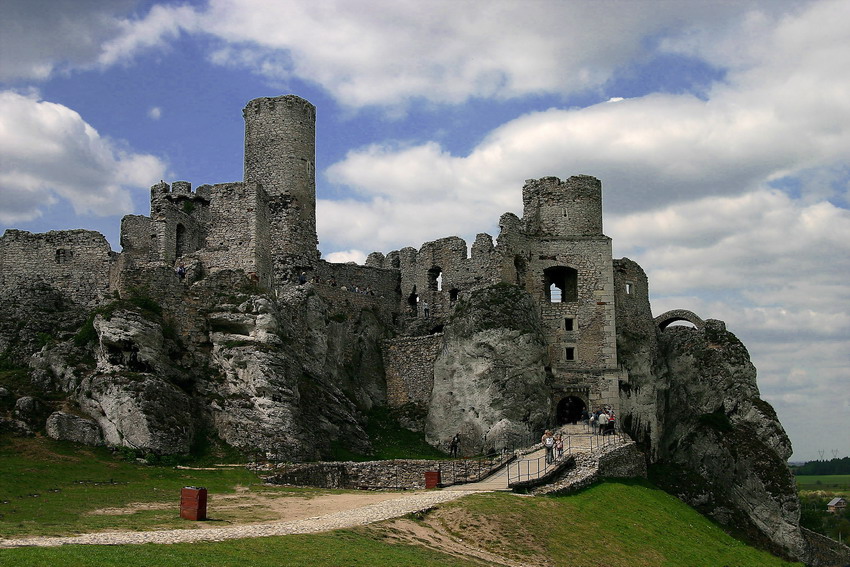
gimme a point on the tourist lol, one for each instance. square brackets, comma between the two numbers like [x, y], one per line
[453, 446]
[549, 444]
[601, 422]
[425, 309]
[181, 271]
[559, 446]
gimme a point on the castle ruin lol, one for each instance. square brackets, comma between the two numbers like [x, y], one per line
[219, 319]
[265, 226]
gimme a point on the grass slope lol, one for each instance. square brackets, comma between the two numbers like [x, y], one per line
[611, 524]
[629, 524]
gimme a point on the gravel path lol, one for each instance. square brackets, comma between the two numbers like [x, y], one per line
[385, 510]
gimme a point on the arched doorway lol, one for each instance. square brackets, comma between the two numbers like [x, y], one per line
[570, 410]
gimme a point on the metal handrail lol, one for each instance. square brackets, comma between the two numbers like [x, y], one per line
[521, 470]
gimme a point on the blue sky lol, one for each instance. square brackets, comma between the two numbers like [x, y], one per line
[720, 131]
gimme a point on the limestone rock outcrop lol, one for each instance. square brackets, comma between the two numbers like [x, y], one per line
[490, 378]
[64, 426]
[713, 441]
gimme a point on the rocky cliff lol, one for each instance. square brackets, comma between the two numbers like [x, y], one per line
[282, 376]
[490, 381]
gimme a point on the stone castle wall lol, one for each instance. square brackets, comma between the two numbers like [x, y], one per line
[396, 474]
[75, 262]
[373, 281]
[409, 364]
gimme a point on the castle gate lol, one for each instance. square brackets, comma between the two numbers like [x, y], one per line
[570, 410]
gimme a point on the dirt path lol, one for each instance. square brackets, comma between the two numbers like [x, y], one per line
[329, 512]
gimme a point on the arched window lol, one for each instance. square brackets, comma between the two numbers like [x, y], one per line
[561, 284]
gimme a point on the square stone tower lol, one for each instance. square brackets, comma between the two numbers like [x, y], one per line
[570, 271]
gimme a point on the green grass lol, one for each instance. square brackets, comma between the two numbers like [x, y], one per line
[840, 482]
[390, 441]
[51, 488]
[630, 524]
[612, 524]
[335, 549]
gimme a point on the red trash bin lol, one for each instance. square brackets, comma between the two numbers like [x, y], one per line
[193, 503]
[433, 479]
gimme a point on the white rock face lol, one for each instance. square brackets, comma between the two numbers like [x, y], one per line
[490, 381]
[64, 426]
[140, 411]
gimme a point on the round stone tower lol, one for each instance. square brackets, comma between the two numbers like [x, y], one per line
[280, 155]
[570, 208]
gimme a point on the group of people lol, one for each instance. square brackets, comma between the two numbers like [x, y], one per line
[554, 445]
[602, 421]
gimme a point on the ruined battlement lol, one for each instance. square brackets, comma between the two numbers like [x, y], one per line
[556, 208]
[76, 262]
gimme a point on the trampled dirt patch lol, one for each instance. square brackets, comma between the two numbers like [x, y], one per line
[455, 531]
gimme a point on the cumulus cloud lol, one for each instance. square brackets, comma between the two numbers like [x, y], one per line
[49, 151]
[39, 37]
[161, 24]
[155, 113]
[345, 256]
[390, 52]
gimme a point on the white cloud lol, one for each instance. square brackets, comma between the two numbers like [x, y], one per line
[39, 37]
[345, 256]
[392, 52]
[155, 113]
[49, 151]
[161, 24]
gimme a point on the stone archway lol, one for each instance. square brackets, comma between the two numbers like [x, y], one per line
[664, 320]
[569, 410]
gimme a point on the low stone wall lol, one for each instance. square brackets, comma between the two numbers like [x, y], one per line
[626, 461]
[375, 475]
[825, 551]
[622, 461]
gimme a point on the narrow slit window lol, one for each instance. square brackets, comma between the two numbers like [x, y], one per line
[629, 288]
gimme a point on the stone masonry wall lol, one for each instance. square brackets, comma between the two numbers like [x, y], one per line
[395, 474]
[440, 272]
[376, 281]
[237, 232]
[280, 155]
[75, 262]
[409, 364]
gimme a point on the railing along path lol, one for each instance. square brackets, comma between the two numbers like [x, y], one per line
[528, 469]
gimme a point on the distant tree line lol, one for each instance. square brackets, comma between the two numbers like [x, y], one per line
[833, 466]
